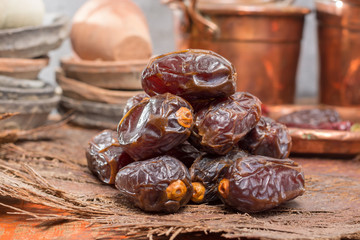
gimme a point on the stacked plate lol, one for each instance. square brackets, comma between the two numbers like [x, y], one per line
[23, 54]
[97, 91]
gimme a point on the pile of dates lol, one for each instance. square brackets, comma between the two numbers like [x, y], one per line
[191, 137]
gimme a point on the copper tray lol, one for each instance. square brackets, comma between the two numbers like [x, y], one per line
[314, 141]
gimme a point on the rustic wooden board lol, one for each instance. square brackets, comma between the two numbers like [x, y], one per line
[53, 172]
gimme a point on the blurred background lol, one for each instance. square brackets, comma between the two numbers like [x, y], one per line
[160, 21]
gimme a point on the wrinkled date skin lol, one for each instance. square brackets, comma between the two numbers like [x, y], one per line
[315, 119]
[258, 183]
[207, 171]
[161, 184]
[105, 156]
[219, 127]
[192, 74]
[133, 101]
[185, 153]
[268, 138]
[155, 125]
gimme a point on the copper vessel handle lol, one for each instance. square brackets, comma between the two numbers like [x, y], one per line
[204, 25]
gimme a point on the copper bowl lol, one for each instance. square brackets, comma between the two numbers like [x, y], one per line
[105, 74]
[82, 91]
[22, 68]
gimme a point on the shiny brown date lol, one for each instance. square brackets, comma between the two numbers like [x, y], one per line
[105, 156]
[258, 183]
[185, 153]
[207, 171]
[268, 138]
[192, 74]
[219, 127]
[316, 119]
[133, 101]
[155, 125]
[161, 184]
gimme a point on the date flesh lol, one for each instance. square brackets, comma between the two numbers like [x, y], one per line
[105, 156]
[133, 101]
[268, 138]
[258, 183]
[219, 127]
[155, 125]
[161, 184]
[328, 119]
[207, 171]
[192, 74]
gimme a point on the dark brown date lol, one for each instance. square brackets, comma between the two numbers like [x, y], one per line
[133, 101]
[316, 119]
[155, 125]
[258, 183]
[219, 127]
[268, 138]
[161, 184]
[192, 74]
[105, 156]
[185, 153]
[207, 171]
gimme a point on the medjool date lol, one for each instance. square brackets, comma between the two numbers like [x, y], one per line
[258, 183]
[161, 184]
[207, 171]
[133, 101]
[155, 125]
[185, 153]
[105, 156]
[316, 119]
[219, 127]
[268, 138]
[192, 74]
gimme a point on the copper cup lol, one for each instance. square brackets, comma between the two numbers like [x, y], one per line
[339, 46]
[262, 41]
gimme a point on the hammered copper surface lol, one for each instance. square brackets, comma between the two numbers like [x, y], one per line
[339, 47]
[262, 42]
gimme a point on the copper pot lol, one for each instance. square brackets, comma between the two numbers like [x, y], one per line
[339, 46]
[262, 41]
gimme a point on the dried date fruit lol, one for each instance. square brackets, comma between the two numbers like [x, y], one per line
[268, 138]
[133, 101]
[315, 119]
[161, 184]
[105, 156]
[207, 171]
[155, 125]
[185, 153]
[219, 127]
[192, 74]
[258, 183]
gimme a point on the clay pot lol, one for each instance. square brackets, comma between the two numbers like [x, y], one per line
[105, 74]
[81, 91]
[92, 114]
[22, 68]
[32, 42]
[32, 113]
[21, 89]
[110, 30]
